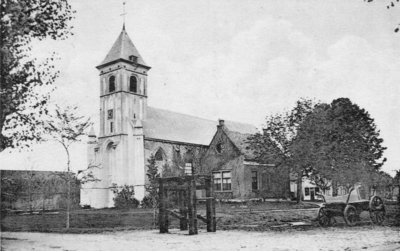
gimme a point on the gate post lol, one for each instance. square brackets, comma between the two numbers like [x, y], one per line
[163, 217]
[183, 222]
[191, 205]
[210, 204]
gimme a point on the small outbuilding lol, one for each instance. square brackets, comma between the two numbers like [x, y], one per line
[236, 173]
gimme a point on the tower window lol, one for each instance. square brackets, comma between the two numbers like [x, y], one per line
[111, 84]
[133, 84]
[111, 127]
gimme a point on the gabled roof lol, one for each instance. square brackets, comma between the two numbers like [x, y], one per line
[166, 125]
[240, 141]
[122, 49]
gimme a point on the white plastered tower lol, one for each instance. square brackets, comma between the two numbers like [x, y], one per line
[119, 149]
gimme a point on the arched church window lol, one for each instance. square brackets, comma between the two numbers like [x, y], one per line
[159, 155]
[111, 84]
[133, 84]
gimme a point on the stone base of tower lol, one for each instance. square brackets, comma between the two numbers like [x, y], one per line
[104, 198]
[97, 198]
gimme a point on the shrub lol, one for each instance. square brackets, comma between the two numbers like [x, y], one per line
[124, 197]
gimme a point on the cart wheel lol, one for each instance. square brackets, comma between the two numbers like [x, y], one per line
[376, 210]
[323, 217]
[350, 215]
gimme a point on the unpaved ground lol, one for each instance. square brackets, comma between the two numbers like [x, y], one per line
[334, 238]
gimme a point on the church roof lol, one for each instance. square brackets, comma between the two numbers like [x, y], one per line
[166, 125]
[122, 49]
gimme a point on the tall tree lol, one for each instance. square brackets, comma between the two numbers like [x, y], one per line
[21, 101]
[67, 128]
[341, 142]
[152, 187]
[279, 133]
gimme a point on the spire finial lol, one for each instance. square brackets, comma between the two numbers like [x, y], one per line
[123, 14]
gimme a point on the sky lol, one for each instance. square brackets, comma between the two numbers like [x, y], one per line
[234, 60]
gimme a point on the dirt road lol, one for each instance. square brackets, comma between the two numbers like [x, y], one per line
[346, 238]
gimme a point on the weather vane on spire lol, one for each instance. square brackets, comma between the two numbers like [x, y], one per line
[124, 13]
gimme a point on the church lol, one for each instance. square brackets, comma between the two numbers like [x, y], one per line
[130, 132]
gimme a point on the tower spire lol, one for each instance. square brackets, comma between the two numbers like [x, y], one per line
[123, 14]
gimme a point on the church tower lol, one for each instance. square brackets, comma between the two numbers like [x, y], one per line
[119, 151]
[123, 87]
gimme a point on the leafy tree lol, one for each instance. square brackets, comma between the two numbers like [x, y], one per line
[341, 143]
[396, 183]
[321, 182]
[21, 104]
[67, 128]
[152, 187]
[279, 133]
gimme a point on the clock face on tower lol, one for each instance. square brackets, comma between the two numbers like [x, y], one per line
[110, 114]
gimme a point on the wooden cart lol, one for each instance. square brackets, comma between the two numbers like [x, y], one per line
[349, 207]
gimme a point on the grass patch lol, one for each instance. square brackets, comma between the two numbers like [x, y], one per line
[80, 220]
[244, 216]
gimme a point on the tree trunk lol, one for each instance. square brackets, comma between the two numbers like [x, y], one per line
[68, 199]
[299, 186]
[68, 190]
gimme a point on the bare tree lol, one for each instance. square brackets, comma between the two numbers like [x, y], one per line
[67, 128]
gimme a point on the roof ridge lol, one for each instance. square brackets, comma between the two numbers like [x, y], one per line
[229, 121]
[181, 113]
